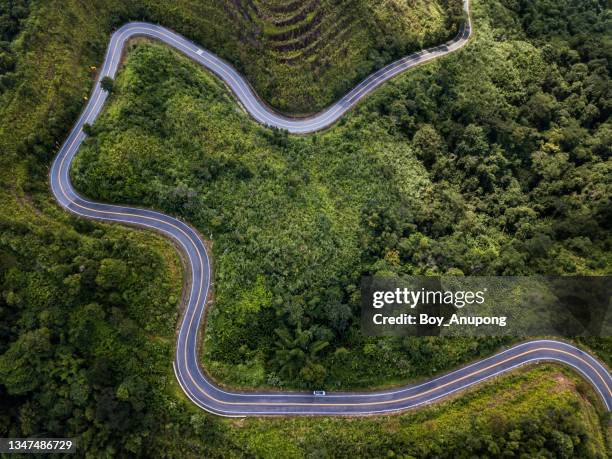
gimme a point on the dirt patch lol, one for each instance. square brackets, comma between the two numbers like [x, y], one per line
[130, 44]
[237, 422]
[562, 383]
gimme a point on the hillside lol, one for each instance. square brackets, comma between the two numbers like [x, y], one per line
[67, 39]
[308, 53]
[456, 183]
[497, 166]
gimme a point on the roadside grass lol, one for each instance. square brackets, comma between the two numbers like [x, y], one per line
[496, 418]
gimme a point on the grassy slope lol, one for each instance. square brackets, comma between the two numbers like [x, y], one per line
[301, 55]
[55, 51]
[493, 421]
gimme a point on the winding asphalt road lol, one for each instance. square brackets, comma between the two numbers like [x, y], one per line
[188, 372]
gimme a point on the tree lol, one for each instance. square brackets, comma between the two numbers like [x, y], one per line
[107, 83]
[298, 353]
[112, 274]
[22, 366]
[428, 144]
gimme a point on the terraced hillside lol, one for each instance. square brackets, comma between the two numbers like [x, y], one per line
[299, 56]
[311, 51]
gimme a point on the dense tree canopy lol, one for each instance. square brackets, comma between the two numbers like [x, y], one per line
[492, 161]
[439, 172]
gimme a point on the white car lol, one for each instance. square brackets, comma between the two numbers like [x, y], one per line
[318, 393]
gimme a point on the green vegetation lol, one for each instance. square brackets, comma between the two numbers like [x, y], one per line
[49, 66]
[439, 172]
[287, 264]
[85, 352]
[533, 414]
[301, 55]
[87, 318]
[11, 15]
[107, 83]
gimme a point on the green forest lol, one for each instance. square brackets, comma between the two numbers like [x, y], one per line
[492, 161]
[439, 173]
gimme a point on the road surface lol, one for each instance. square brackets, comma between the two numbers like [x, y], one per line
[188, 372]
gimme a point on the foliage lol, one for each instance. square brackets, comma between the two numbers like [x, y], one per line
[107, 83]
[11, 16]
[88, 311]
[87, 314]
[534, 414]
[437, 173]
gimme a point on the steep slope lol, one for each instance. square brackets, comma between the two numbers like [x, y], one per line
[300, 55]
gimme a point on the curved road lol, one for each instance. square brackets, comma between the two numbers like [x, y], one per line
[188, 372]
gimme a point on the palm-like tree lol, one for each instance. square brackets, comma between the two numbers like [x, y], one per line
[295, 352]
